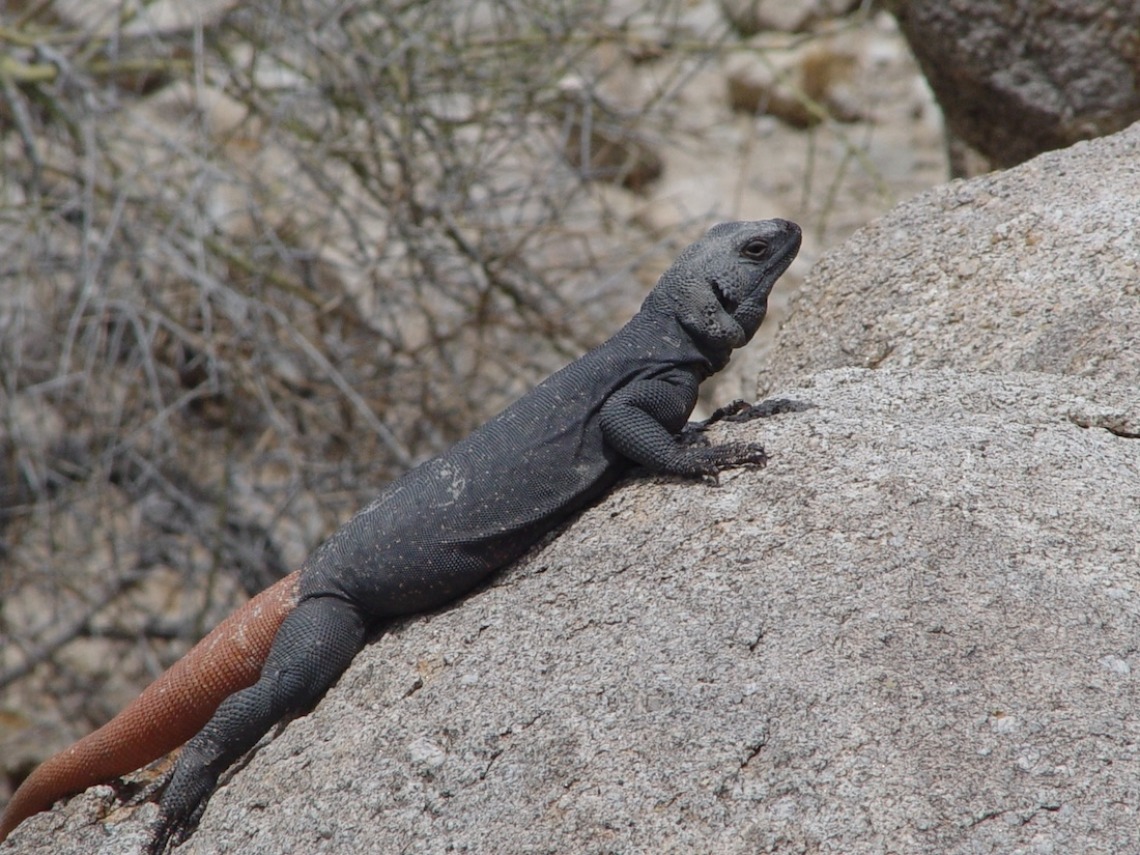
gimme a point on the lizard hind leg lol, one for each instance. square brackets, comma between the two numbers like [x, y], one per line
[313, 647]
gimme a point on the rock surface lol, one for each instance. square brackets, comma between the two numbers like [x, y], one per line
[1032, 269]
[913, 632]
[1016, 79]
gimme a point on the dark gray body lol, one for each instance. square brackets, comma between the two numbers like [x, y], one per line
[444, 527]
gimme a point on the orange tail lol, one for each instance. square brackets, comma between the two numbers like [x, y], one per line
[168, 712]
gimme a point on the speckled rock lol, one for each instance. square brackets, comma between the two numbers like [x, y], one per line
[1033, 269]
[1016, 78]
[915, 631]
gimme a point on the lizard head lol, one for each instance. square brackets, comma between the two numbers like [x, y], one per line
[718, 287]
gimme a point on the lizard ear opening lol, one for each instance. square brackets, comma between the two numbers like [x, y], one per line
[727, 301]
[706, 320]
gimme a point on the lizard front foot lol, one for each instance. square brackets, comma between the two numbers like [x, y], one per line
[693, 430]
[717, 458]
[764, 409]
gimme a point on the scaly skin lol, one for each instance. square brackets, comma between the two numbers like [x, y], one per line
[170, 711]
[436, 533]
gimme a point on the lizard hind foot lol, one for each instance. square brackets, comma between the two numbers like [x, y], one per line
[163, 837]
[176, 822]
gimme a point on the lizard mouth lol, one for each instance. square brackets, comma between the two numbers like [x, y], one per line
[784, 260]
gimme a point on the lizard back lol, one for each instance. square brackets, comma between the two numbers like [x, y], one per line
[443, 527]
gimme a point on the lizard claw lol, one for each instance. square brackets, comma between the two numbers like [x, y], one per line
[727, 411]
[753, 456]
[740, 454]
[161, 838]
[182, 805]
[721, 457]
[768, 408]
[171, 831]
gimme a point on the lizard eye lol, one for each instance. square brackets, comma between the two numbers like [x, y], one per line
[755, 249]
